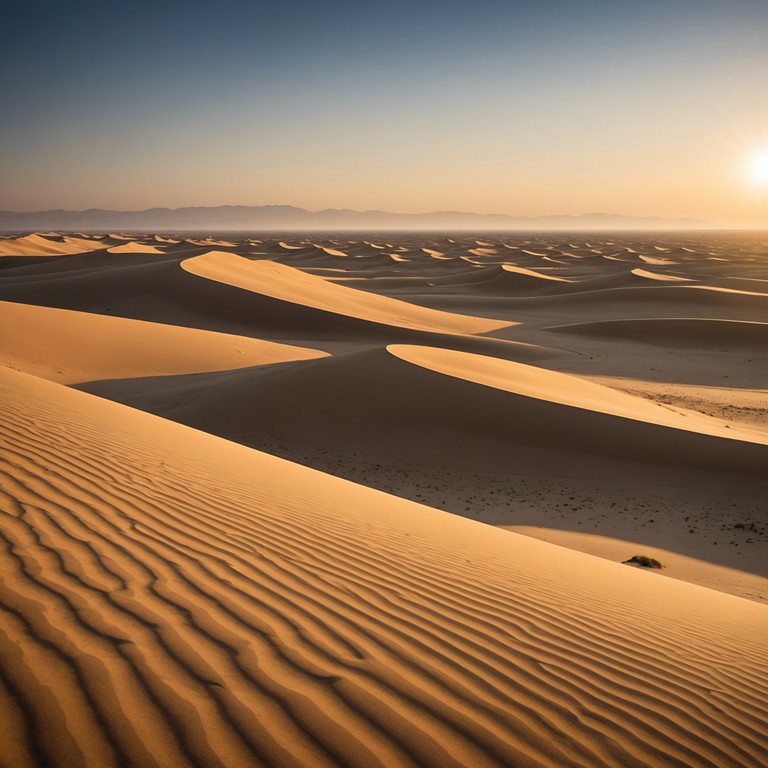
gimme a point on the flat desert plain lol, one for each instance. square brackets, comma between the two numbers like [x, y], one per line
[365, 500]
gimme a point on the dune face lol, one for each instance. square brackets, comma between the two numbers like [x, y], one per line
[417, 401]
[679, 332]
[50, 244]
[73, 347]
[288, 285]
[180, 585]
[134, 248]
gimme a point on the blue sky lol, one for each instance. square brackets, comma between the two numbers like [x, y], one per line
[523, 108]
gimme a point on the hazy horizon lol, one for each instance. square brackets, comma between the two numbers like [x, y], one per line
[285, 218]
[557, 108]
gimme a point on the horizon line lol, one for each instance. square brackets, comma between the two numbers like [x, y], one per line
[439, 211]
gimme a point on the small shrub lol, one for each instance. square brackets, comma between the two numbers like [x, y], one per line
[645, 562]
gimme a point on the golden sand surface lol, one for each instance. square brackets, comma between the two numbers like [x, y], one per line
[365, 499]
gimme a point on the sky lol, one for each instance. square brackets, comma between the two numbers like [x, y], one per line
[653, 108]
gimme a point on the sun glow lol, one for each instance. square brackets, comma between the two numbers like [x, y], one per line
[758, 168]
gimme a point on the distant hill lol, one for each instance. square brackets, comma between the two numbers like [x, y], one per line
[286, 217]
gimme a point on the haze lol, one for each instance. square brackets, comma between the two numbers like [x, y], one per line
[644, 109]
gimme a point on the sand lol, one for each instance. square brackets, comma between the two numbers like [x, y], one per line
[367, 501]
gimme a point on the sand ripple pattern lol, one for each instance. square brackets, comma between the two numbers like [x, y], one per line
[170, 599]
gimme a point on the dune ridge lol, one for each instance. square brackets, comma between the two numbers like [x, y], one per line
[283, 283]
[51, 244]
[414, 401]
[49, 343]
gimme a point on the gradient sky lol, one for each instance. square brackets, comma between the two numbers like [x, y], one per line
[642, 108]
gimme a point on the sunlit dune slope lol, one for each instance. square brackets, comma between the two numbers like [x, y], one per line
[686, 298]
[66, 346]
[47, 245]
[225, 292]
[659, 277]
[505, 280]
[289, 285]
[155, 288]
[630, 278]
[428, 402]
[172, 599]
[755, 285]
[133, 247]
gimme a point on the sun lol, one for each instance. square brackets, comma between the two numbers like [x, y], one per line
[758, 168]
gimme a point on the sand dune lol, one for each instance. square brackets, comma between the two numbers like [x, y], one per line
[236, 608]
[284, 284]
[475, 274]
[753, 285]
[660, 277]
[417, 401]
[502, 280]
[42, 245]
[73, 347]
[333, 252]
[133, 247]
[210, 242]
[655, 260]
[678, 332]
[377, 284]
[684, 297]
[29, 269]
[228, 293]
[91, 286]
[618, 279]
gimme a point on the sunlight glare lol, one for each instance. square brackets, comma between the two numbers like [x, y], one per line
[758, 168]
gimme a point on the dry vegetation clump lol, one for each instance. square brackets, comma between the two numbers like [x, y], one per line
[644, 561]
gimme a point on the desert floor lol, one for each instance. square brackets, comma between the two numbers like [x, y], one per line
[263, 497]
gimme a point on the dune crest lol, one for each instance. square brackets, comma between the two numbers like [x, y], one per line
[530, 381]
[287, 284]
[46, 245]
[49, 343]
[133, 247]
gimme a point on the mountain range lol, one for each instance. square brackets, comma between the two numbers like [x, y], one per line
[286, 217]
